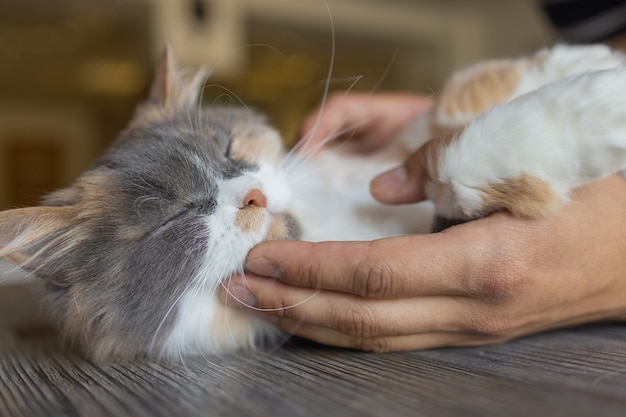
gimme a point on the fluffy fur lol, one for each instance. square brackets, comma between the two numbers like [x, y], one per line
[132, 254]
[561, 126]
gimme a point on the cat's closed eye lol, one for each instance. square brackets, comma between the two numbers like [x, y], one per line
[192, 208]
[228, 148]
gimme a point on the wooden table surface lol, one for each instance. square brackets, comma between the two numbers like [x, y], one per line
[573, 372]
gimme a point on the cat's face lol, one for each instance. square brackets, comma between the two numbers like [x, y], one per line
[156, 225]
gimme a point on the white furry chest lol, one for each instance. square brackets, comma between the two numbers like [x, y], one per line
[336, 204]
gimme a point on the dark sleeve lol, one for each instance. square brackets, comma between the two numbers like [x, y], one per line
[586, 21]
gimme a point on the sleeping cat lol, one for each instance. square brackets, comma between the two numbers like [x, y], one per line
[132, 254]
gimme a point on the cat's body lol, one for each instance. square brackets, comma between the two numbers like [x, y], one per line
[134, 252]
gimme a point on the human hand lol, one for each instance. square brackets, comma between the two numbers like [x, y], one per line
[483, 282]
[367, 120]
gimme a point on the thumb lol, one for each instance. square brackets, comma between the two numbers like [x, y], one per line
[406, 183]
[403, 184]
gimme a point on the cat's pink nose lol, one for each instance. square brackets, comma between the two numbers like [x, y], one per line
[255, 198]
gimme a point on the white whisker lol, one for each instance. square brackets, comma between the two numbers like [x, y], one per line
[217, 98]
[385, 72]
[313, 150]
[331, 66]
[263, 45]
[199, 104]
[299, 157]
[269, 310]
[231, 94]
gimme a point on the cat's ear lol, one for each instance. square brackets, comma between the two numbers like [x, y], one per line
[25, 232]
[174, 87]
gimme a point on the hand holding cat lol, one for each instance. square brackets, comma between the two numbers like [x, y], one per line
[483, 282]
[486, 281]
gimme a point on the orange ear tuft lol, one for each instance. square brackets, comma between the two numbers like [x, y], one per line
[173, 87]
[165, 78]
[24, 230]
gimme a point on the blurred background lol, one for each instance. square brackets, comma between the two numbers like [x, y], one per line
[72, 71]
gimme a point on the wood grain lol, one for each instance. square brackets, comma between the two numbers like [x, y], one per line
[574, 372]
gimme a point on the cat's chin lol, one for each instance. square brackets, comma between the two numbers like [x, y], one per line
[208, 328]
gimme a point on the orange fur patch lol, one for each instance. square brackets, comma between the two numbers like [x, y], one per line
[525, 196]
[278, 229]
[263, 147]
[250, 218]
[471, 92]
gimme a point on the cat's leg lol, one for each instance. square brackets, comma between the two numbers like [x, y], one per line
[525, 156]
[475, 89]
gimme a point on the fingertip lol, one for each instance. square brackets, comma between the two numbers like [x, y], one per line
[396, 187]
[262, 267]
[274, 258]
[387, 185]
[240, 295]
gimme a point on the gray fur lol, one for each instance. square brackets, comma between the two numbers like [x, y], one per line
[139, 252]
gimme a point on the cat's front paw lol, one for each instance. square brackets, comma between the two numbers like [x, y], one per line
[467, 181]
[524, 196]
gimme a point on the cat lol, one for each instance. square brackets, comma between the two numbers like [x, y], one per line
[133, 253]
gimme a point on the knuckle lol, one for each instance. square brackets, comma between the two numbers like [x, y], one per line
[496, 288]
[492, 326]
[357, 321]
[282, 305]
[373, 345]
[314, 271]
[375, 280]
[308, 274]
[503, 279]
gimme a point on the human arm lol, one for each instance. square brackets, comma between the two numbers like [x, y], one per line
[362, 122]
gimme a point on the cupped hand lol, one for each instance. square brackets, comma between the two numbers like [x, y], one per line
[483, 282]
[361, 122]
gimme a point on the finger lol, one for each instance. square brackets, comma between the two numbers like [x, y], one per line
[400, 185]
[406, 266]
[318, 128]
[406, 183]
[425, 340]
[351, 315]
[327, 123]
[403, 343]
[387, 325]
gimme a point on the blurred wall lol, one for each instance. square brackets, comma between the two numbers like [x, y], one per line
[73, 70]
